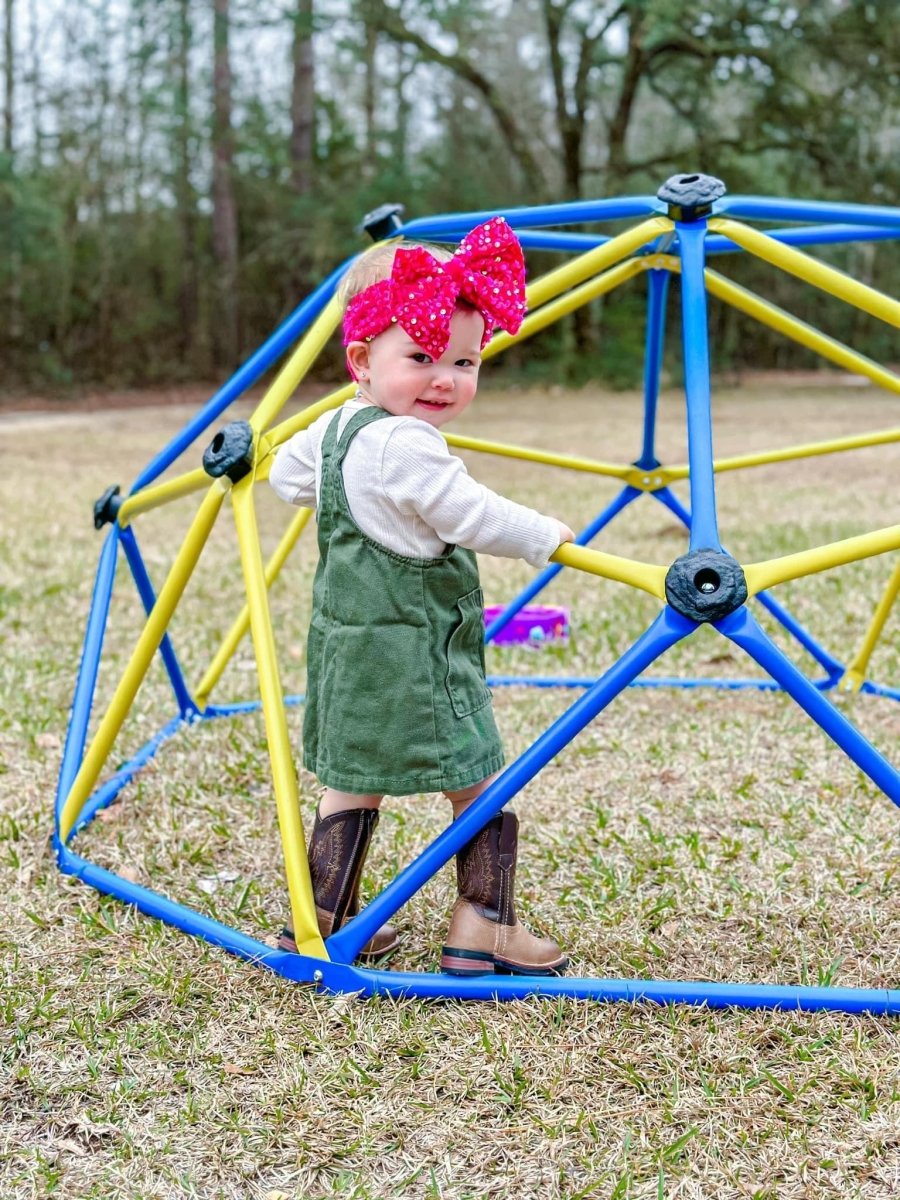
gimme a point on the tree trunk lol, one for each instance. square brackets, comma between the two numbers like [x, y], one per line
[226, 330]
[390, 22]
[633, 67]
[303, 140]
[400, 135]
[105, 351]
[137, 74]
[188, 292]
[570, 125]
[370, 91]
[37, 97]
[14, 284]
[9, 77]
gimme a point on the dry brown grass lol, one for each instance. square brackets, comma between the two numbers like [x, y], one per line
[687, 834]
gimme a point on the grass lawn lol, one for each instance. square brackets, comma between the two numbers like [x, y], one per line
[686, 834]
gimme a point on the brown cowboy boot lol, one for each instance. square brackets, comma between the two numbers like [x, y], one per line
[337, 851]
[485, 936]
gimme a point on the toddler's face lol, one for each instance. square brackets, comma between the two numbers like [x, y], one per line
[403, 380]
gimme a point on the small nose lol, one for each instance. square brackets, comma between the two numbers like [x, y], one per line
[443, 378]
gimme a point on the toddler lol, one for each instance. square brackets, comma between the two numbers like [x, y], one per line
[396, 699]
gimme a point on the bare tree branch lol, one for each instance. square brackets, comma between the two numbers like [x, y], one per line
[392, 26]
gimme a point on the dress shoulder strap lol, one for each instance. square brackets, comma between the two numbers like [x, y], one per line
[357, 422]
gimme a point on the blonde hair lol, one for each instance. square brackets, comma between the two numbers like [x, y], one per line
[377, 263]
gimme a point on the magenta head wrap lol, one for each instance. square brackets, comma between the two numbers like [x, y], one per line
[487, 271]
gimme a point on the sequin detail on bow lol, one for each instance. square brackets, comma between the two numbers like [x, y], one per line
[487, 271]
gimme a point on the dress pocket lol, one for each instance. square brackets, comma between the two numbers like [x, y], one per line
[466, 686]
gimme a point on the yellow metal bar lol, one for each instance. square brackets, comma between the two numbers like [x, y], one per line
[810, 450]
[646, 576]
[142, 655]
[162, 493]
[836, 352]
[242, 622]
[543, 289]
[296, 367]
[279, 434]
[776, 318]
[264, 465]
[662, 476]
[532, 324]
[855, 673]
[284, 778]
[587, 265]
[808, 562]
[652, 480]
[555, 309]
[569, 461]
[795, 262]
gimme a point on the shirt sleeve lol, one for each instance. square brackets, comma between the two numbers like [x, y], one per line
[293, 473]
[420, 476]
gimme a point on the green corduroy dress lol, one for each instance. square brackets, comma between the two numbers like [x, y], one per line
[396, 697]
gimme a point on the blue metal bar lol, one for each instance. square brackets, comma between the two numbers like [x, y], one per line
[834, 668]
[878, 689]
[246, 706]
[579, 243]
[624, 498]
[716, 243]
[148, 598]
[695, 338]
[669, 500]
[105, 795]
[779, 612]
[339, 979]
[255, 366]
[654, 342]
[237, 709]
[742, 628]
[575, 213]
[344, 980]
[759, 208]
[667, 629]
[646, 681]
[163, 909]
[86, 682]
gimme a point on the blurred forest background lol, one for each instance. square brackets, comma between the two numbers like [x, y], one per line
[175, 175]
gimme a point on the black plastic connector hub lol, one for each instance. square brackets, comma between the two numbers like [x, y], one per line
[705, 585]
[230, 452]
[691, 197]
[106, 509]
[382, 222]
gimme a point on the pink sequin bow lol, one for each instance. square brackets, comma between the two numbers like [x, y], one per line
[487, 271]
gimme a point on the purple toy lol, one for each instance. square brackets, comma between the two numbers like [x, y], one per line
[533, 624]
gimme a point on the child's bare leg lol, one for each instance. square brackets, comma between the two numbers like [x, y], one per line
[462, 799]
[485, 935]
[334, 801]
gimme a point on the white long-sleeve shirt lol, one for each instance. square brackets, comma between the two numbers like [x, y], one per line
[407, 492]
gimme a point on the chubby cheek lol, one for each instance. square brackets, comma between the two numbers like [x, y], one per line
[468, 389]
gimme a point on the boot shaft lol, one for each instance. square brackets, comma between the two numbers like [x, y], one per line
[486, 869]
[337, 851]
[485, 936]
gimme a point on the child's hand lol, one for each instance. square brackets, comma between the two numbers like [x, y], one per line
[565, 533]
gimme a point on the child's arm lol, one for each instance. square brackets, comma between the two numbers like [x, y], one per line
[421, 476]
[293, 473]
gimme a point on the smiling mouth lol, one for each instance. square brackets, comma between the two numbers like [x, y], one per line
[433, 405]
